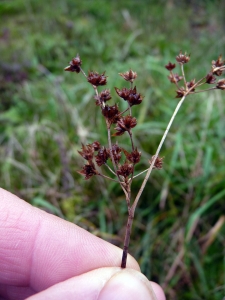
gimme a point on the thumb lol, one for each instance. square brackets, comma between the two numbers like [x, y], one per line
[104, 284]
[130, 284]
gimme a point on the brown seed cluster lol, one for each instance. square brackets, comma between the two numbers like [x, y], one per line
[102, 97]
[102, 156]
[210, 79]
[190, 87]
[221, 84]
[174, 78]
[88, 171]
[97, 155]
[170, 66]
[216, 66]
[134, 156]
[111, 113]
[125, 124]
[182, 58]
[125, 170]
[75, 65]
[129, 76]
[130, 95]
[158, 162]
[96, 79]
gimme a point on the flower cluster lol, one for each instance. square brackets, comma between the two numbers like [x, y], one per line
[125, 124]
[97, 155]
[96, 79]
[217, 69]
[116, 160]
[102, 97]
[182, 58]
[158, 162]
[130, 95]
[129, 76]
[75, 65]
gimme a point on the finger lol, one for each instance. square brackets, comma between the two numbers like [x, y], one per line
[10, 292]
[38, 249]
[104, 284]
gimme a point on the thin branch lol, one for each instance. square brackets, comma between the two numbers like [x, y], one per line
[210, 89]
[114, 164]
[120, 114]
[107, 177]
[140, 173]
[176, 83]
[131, 139]
[130, 112]
[82, 71]
[182, 70]
[157, 153]
[110, 169]
[110, 149]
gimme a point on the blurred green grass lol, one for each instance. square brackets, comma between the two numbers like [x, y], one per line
[46, 113]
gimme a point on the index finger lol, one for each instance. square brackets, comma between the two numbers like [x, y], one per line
[38, 249]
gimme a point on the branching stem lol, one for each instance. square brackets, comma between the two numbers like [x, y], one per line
[133, 207]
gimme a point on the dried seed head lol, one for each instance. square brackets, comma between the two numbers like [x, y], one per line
[134, 97]
[210, 79]
[221, 84]
[180, 92]
[96, 78]
[87, 152]
[130, 95]
[75, 64]
[129, 75]
[102, 97]
[88, 171]
[102, 156]
[158, 163]
[96, 145]
[125, 170]
[116, 152]
[182, 58]
[111, 113]
[216, 66]
[191, 84]
[124, 93]
[134, 156]
[125, 124]
[174, 78]
[170, 66]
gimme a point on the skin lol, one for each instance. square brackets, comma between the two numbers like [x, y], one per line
[45, 257]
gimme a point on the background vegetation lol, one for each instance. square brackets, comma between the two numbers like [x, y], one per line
[46, 113]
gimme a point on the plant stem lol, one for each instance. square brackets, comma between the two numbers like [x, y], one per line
[157, 153]
[110, 149]
[182, 70]
[127, 239]
[107, 177]
[131, 139]
[120, 114]
[131, 211]
[140, 173]
[114, 164]
[171, 73]
[206, 90]
[110, 169]
[82, 71]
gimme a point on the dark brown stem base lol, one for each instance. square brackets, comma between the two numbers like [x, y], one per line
[127, 239]
[124, 258]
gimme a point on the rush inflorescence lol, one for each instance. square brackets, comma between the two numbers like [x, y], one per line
[119, 161]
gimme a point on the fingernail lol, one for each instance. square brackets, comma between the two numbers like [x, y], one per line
[125, 285]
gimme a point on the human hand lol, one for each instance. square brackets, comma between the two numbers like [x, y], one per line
[45, 257]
